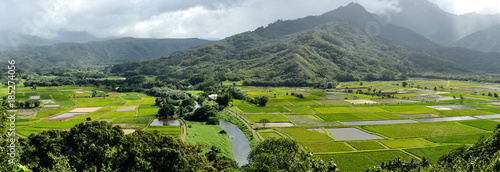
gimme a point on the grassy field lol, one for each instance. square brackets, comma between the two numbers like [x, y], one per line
[460, 139]
[209, 135]
[366, 145]
[267, 109]
[406, 143]
[422, 129]
[131, 97]
[302, 102]
[57, 124]
[406, 108]
[482, 124]
[326, 109]
[304, 135]
[118, 114]
[310, 120]
[432, 153]
[360, 161]
[168, 130]
[350, 117]
[277, 102]
[270, 117]
[269, 133]
[300, 110]
[317, 147]
[463, 112]
[148, 111]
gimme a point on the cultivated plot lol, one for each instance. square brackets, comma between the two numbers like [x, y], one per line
[274, 124]
[451, 107]
[327, 146]
[65, 116]
[422, 129]
[85, 109]
[380, 122]
[458, 118]
[361, 101]
[351, 134]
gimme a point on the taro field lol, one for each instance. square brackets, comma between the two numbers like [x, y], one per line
[360, 125]
[63, 107]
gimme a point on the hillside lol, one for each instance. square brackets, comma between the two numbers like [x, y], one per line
[487, 40]
[438, 25]
[332, 46]
[76, 55]
[475, 60]
[339, 51]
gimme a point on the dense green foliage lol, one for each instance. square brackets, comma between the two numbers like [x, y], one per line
[99, 144]
[314, 51]
[167, 92]
[284, 155]
[204, 113]
[332, 51]
[75, 55]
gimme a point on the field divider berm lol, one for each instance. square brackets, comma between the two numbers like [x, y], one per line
[254, 133]
[414, 156]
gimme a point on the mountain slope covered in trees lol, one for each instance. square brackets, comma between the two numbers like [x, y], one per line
[76, 55]
[339, 51]
[333, 46]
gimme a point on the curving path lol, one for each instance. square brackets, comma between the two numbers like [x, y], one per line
[248, 126]
[184, 128]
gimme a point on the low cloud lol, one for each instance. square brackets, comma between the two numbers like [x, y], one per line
[162, 19]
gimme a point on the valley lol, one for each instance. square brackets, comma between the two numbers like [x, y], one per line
[402, 85]
[355, 123]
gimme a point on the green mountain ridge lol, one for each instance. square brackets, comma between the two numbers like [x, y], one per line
[80, 55]
[487, 40]
[332, 46]
[333, 51]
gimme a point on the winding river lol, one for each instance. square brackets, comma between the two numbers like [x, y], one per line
[241, 145]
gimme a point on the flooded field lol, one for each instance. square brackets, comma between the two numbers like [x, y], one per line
[351, 134]
[458, 118]
[380, 122]
[165, 122]
[451, 107]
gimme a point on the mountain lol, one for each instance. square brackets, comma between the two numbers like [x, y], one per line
[475, 60]
[315, 48]
[334, 46]
[437, 25]
[74, 55]
[76, 37]
[11, 40]
[487, 40]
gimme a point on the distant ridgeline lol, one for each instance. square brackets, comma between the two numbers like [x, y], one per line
[83, 55]
[316, 50]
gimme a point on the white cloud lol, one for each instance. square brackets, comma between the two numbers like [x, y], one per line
[468, 6]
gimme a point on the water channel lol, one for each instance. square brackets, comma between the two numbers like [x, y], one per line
[241, 145]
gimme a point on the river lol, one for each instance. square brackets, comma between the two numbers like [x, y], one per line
[241, 145]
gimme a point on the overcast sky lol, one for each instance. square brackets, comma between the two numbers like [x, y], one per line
[182, 18]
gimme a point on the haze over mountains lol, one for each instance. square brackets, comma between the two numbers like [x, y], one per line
[82, 55]
[487, 40]
[437, 25]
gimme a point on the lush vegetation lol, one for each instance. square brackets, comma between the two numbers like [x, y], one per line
[81, 56]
